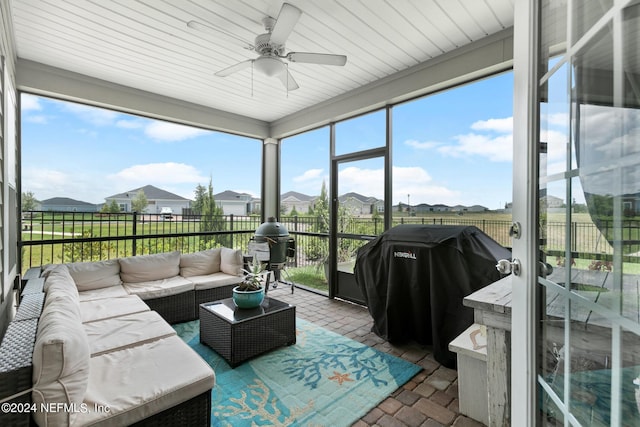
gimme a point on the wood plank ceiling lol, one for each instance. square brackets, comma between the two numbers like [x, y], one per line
[146, 44]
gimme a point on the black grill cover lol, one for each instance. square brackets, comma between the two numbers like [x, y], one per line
[414, 277]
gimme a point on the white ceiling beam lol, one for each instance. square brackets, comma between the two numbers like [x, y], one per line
[40, 79]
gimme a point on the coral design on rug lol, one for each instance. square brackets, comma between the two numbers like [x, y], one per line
[323, 379]
[258, 404]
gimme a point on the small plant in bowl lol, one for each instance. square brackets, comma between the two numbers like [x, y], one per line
[252, 277]
[250, 293]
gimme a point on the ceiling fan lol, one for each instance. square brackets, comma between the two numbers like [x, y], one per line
[271, 48]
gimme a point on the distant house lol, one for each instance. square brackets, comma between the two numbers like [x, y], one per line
[551, 201]
[65, 204]
[156, 200]
[631, 204]
[474, 208]
[357, 204]
[422, 208]
[256, 205]
[293, 200]
[377, 205]
[233, 203]
[440, 208]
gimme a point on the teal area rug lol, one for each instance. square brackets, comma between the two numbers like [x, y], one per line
[324, 379]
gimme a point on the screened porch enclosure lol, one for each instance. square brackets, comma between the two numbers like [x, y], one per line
[574, 181]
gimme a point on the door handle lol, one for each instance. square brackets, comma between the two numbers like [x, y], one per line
[504, 266]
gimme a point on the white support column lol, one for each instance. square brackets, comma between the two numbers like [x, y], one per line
[270, 177]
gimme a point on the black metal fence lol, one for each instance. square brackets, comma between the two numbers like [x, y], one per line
[57, 237]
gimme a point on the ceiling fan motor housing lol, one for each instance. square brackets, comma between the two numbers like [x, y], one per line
[264, 46]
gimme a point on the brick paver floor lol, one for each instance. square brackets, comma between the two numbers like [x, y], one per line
[429, 399]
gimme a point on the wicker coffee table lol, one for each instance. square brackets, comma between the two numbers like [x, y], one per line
[239, 334]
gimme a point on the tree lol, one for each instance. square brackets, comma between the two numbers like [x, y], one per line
[211, 219]
[29, 202]
[139, 202]
[87, 251]
[199, 200]
[111, 207]
[318, 249]
[321, 210]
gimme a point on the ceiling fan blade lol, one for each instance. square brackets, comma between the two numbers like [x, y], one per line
[287, 19]
[317, 58]
[234, 68]
[199, 26]
[287, 80]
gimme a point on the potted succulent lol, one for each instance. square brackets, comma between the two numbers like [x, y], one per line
[250, 293]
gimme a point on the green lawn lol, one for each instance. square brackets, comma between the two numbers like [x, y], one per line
[310, 276]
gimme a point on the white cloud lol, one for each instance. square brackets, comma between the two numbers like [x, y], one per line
[37, 119]
[310, 181]
[424, 145]
[309, 175]
[368, 182]
[130, 124]
[556, 119]
[165, 131]
[414, 181]
[496, 125]
[556, 145]
[158, 173]
[42, 181]
[498, 149]
[30, 103]
[48, 183]
[94, 115]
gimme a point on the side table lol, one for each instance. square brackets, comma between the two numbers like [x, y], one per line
[238, 334]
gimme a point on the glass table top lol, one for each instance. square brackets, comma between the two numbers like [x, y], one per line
[227, 310]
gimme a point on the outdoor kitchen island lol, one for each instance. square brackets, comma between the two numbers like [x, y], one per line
[493, 307]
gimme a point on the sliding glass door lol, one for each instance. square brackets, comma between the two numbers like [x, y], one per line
[582, 319]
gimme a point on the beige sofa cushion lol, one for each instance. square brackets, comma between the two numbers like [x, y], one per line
[137, 382]
[145, 268]
[100, 309]
[60, 364]
[109, 292]
[200, 263]
[61, 291]
[231, 261]
[214, 280]
[58, 277]
[159, 288]
[95, 275]
[126, 331]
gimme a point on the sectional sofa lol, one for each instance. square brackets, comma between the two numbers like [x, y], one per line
[91, 342]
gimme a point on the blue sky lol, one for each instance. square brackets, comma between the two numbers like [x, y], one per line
[454, 147]
[86, 153]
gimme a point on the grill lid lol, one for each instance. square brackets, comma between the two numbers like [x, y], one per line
[271, 228]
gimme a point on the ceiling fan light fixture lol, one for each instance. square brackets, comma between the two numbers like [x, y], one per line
[269, 66]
